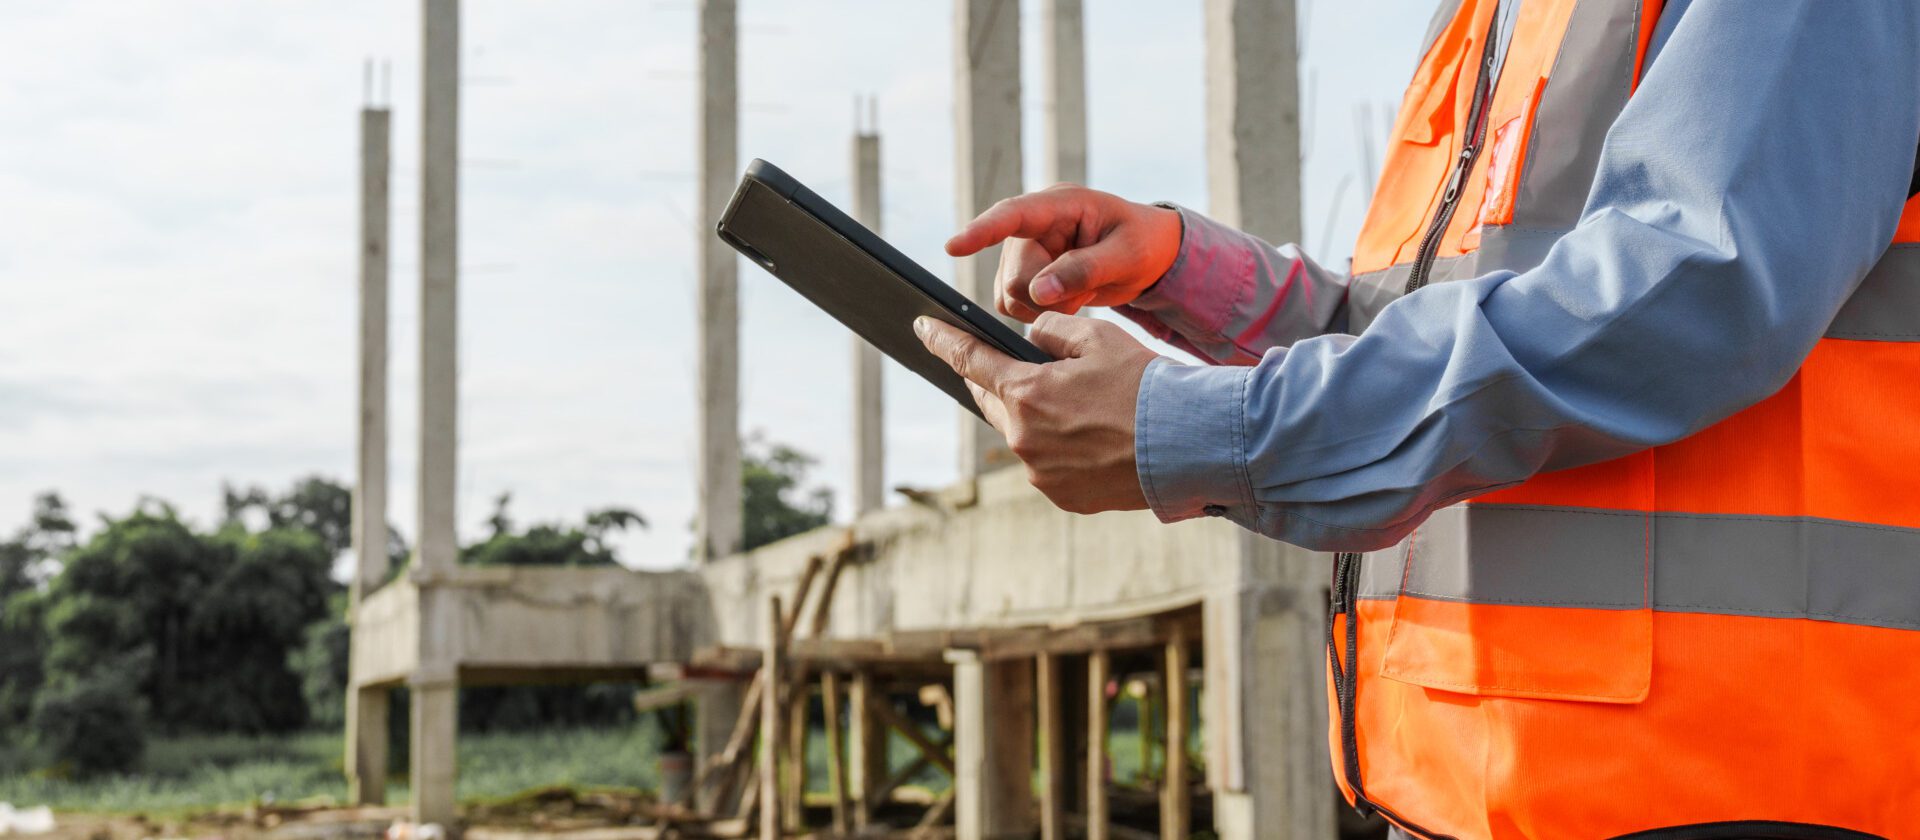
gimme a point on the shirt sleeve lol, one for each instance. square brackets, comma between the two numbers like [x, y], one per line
[1229, 296]
[1742, 194]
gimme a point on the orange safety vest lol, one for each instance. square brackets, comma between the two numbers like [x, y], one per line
[1714, 638]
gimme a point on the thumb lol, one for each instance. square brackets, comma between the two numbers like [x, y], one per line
[1080, 271]
[975, 360]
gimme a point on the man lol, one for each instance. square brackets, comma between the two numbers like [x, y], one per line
[1615, 427]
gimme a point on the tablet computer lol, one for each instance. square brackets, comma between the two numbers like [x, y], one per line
[855, 276]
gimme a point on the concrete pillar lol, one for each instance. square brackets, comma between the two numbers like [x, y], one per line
[367, 713]
[435, 694]
[993, 716]
[987, 167]
[716, 708]
[1265, 702]
[366, 760]
[435, 701]
[439, 287]
[869, 429]
[1064, 37]
[719, 308]
[1253, 117]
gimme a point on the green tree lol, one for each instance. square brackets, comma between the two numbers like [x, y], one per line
[26, 560]
[774, 504]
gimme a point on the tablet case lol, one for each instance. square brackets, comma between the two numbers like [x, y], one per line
[855, 276]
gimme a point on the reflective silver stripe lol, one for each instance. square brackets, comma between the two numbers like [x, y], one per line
[1886, 306]
[1592, 77]
[1787, 567]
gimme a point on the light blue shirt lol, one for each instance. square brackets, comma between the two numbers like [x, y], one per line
[1755, 176]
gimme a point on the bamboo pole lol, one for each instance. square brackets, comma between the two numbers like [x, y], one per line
[1098, 664]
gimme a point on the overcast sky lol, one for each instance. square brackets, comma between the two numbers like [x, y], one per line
[177, 255]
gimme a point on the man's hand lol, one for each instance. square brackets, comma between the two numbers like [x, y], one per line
[1069, 421]
[1069, 246]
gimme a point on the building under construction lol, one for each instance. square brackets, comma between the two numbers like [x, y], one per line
[1015, 622]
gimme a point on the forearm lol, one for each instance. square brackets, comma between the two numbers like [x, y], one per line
[1230, 296]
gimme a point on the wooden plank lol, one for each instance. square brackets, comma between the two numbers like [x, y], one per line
[938, 755]
[1175, 792]
[1098, 821]
[935, 814]
[836, 753]
[867, 757]
[1053, 748]
[793, 789]
[771, 715]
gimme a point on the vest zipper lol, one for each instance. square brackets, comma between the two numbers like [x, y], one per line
[1476, 134]
[1346, 564]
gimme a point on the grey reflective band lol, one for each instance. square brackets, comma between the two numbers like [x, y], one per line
[1785, 567]
[1592, 77]
[1884, 307]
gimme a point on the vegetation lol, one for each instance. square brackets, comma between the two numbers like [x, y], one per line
[154, 628]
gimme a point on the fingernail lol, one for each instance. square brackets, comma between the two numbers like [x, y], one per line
[1046, 289]
[920, 326]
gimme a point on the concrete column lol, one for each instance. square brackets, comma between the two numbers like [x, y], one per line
[869, 423]
[366, 760]
[1064, 38]
[435, 702]
[1253, 117]
[993, 717]
[719, 315]
[439, 287]
[716, 708]
[987, 166]
[435, 696]
[367, 713]
[1265, 701]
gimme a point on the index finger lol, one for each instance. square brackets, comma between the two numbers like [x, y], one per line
[1029, 216]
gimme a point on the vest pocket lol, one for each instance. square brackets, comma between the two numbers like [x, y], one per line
[1512, 601]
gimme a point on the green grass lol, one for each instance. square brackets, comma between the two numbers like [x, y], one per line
[188, 774]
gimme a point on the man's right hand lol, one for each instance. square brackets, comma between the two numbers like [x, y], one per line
[1069, 247]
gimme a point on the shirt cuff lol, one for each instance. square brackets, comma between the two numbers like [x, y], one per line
[1190, 442]
[1211, 274]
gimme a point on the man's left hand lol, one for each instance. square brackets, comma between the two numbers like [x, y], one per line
[1069, 421]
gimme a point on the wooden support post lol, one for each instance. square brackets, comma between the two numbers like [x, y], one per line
[836, 752]
[794, 788]
[867, 759]
[771, 716]
[1098, 665]
[1054, 777]
[935, 813]
[1175, 805]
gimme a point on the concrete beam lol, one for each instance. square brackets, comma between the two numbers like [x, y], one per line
[993, 747]
[869, 418]
[1063, 35]
[366, 759]
[1253, 117]
[719, 307]
[987, 167]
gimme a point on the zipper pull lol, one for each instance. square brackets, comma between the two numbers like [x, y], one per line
[1459, 174]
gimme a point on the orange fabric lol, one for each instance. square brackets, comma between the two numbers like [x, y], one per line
[1596, 655]
[1734, 726]
[1837, 442]
[1425, 143]
[1523, 73]
[1649, 18]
